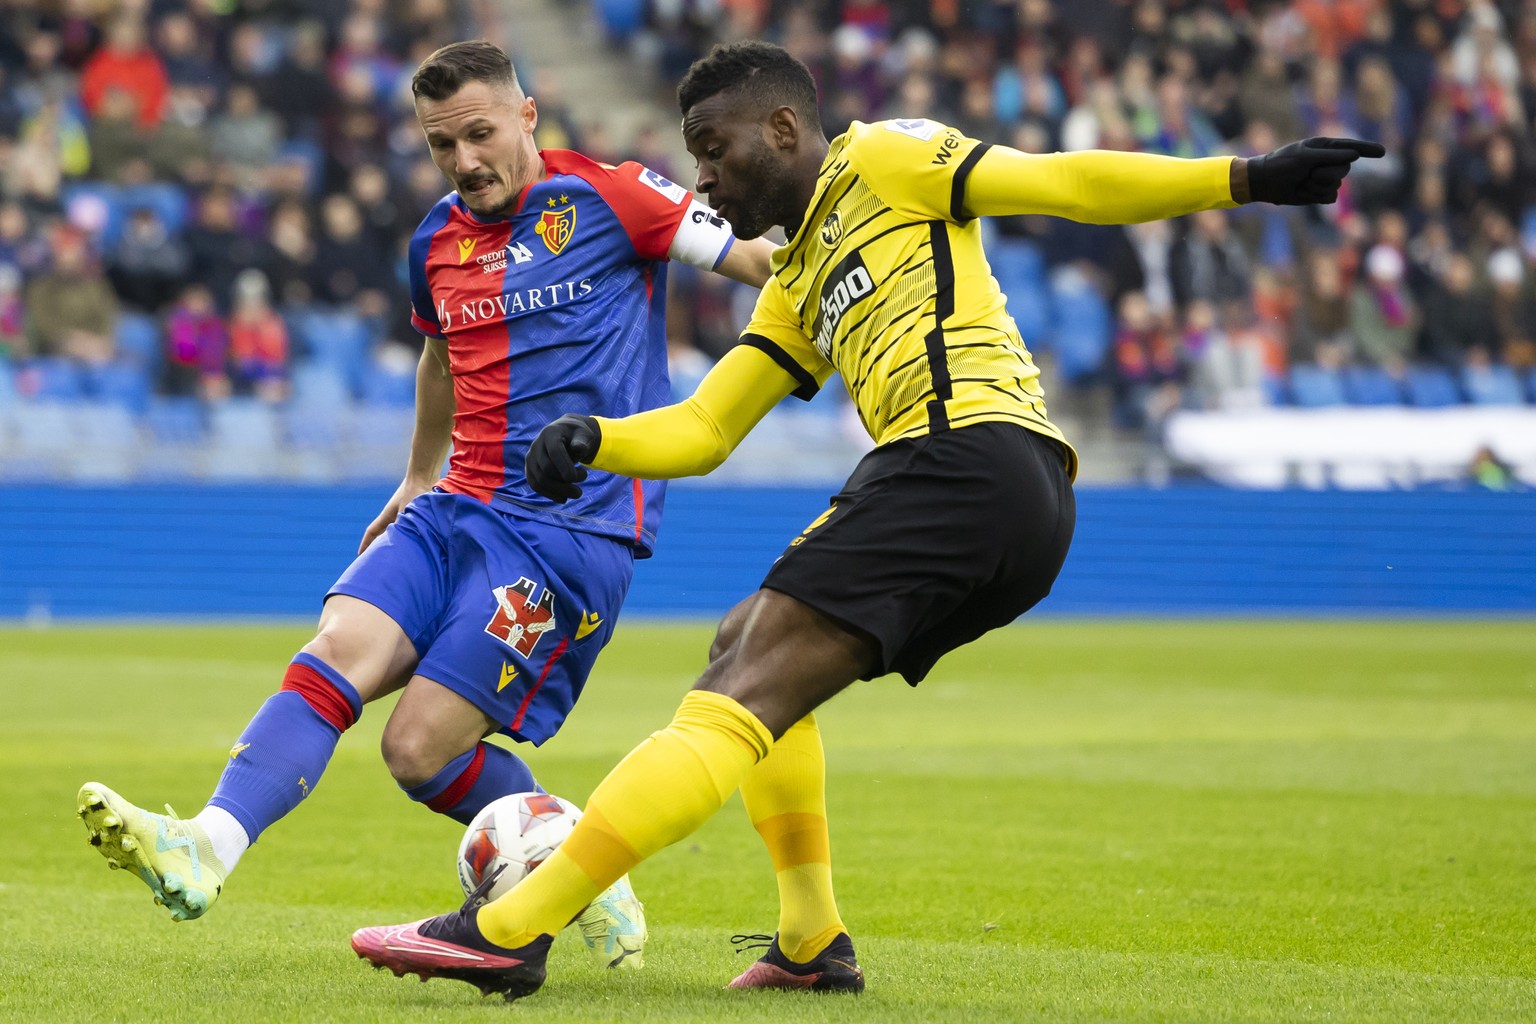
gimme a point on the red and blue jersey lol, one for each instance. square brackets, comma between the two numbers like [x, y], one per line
[557, 308]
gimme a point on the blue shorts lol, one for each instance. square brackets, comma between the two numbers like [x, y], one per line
[508, 613]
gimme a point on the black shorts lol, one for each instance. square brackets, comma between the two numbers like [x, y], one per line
[934, 541]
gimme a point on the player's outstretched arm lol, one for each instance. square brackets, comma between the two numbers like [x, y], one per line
[748, 261]
[687, 439]
[1104, 187]
[430, 440]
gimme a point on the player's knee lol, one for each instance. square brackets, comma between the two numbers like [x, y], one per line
[412, 755]
[729, 631]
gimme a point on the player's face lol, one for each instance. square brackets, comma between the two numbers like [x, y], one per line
[481, 138]
[743, 174]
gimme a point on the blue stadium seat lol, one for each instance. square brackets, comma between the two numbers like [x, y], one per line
[138, 338]
[318, 384]
[1316, 387]
[340, 340]
[1432, 387]
[7, 383]
[1020, 271]
[382, 386]
[121, 384]
[316, 427]
[56, 380]
[1370, 385]
[86, 200]
[101, 425]
[1492, 385]
[244, 424]
[1082, 327]
[175, 420]
[169, 201]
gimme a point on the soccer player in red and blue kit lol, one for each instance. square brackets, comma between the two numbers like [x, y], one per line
[539, 284]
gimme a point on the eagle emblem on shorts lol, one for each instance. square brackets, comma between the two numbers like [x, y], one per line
[520, 622]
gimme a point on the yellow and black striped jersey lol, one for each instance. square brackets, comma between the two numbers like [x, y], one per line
[886, 283]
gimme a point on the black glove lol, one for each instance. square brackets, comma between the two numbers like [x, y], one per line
[552, 465]
[1306, 172]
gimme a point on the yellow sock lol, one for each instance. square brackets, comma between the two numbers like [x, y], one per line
[665, 789]
[786, 800]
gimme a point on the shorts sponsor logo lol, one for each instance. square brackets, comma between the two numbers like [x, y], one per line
[520, 621]
[589, 622]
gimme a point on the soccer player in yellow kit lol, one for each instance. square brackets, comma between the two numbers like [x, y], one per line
[956, 523]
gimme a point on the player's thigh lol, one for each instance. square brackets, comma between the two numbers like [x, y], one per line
[530, 608]
[365, 645]
[379, 616]
[784, 659]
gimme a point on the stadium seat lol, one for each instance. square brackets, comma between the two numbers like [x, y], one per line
[315, 427]
[339, 340]
[106, 443]
[318, 384]
[243, 423]
[1019, 268]
[1432, 387]
[1082, 327]
[174, 421]
[168, 200]
[1316, 387]
[7, 383]
[55, 380]
[138, 339]
[1492, 385]
[1370, 385]
[382, 386]
[96, 205]
[121, 384]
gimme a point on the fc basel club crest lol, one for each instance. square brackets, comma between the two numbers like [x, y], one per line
[556, 228]
[520, 622]
[831, 230]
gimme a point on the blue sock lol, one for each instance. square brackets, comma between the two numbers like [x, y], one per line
[472, 780]
[280, 756]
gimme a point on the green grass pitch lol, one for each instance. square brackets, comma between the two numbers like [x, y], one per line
[1071, 821]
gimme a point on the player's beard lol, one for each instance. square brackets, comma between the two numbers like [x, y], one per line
[771, 194]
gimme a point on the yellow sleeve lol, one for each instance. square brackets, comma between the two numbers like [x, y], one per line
[929, 170]
[1095, 186]
[692, 437]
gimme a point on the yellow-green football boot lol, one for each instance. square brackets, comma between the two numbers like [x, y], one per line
[613, 927]
[173, 856]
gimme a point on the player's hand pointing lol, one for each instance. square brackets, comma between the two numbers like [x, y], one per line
[554, 459]
[1306, 172]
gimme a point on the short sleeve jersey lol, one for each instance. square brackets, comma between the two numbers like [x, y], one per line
[557, 308]
[886, 283]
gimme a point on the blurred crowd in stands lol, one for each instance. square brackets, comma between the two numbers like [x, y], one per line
[1418, 287]
[208, 201]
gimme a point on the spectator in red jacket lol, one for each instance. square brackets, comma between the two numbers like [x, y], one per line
[126, 62]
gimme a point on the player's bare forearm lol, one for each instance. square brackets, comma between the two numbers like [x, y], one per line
[1097, 186]
[433, 435]
[748, 261]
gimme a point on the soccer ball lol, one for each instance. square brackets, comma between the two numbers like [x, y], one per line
[517, 833]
